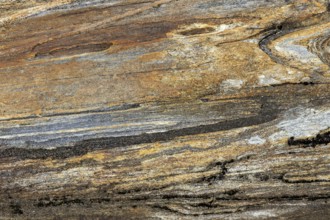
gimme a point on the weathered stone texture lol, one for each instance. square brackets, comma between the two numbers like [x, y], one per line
[168, 109]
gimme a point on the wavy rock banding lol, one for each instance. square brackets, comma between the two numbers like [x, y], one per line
[164, 109]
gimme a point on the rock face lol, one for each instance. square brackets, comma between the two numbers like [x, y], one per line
[165, 109]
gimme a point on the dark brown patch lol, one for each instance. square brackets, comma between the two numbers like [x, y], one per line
[16, 208]
[197, 31]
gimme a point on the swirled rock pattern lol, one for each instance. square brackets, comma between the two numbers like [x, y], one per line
[165, 109]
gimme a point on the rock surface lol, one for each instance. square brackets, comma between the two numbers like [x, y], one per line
[165, 109]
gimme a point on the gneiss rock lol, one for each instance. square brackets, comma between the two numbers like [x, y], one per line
[164, 109]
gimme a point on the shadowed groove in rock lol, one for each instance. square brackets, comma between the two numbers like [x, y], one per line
[319, 139]
[74, 50]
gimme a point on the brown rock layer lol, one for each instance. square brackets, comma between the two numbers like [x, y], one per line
[164, 109]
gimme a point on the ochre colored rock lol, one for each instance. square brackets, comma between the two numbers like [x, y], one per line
[164, 109]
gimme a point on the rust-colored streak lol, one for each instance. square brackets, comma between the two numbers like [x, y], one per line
[92, 41]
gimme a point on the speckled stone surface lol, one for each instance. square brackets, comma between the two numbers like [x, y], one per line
[164, 109]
